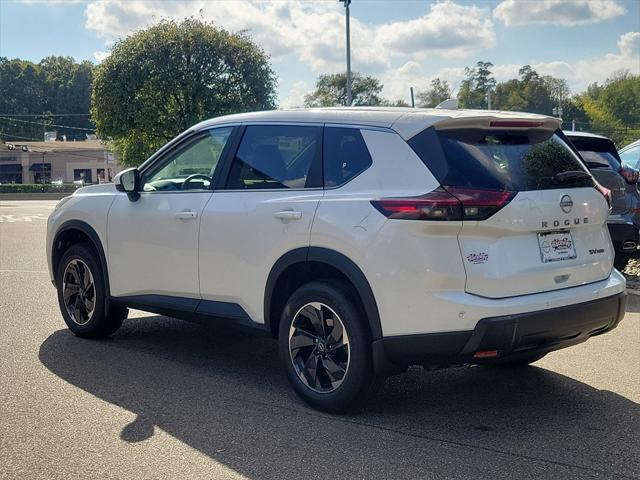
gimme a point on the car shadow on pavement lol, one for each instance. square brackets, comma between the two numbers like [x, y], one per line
[220, 389]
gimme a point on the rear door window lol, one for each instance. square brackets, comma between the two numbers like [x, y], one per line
[345, 155]
[511, 160]
[276, 156]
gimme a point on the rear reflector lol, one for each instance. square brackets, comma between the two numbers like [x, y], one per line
[486, 354]
[515, 123]
[445, 204]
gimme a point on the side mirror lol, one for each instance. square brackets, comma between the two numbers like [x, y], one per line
[128, 181]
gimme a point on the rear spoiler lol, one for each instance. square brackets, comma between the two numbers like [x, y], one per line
[510, 122]
[412, 123]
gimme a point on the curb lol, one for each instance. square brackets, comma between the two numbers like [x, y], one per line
[33, 196]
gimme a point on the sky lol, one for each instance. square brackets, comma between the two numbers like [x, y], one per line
[404, 43]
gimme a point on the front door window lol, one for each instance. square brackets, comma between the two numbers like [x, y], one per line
[191, 166]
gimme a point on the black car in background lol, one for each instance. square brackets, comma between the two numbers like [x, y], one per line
[602, 158]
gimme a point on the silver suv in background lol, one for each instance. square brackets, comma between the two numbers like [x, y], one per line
[610, 171]
[631, 154]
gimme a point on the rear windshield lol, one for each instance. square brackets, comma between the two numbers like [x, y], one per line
[510, 160]
[597, 152]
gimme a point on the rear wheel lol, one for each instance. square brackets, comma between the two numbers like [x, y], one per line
[324, 347]
[82, 295]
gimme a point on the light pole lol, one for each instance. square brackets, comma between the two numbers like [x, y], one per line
[346, 6]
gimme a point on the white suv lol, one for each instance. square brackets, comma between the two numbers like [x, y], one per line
[365, 240]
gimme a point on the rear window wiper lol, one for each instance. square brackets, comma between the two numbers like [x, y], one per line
[570, 175]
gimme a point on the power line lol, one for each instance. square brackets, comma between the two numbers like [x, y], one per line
[45, 114]
[20, 137]
[47, 124]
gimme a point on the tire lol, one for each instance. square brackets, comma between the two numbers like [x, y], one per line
[78, 263]
[621, 260]
[344, 373]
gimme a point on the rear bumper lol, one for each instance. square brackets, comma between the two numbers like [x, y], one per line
[512, 336]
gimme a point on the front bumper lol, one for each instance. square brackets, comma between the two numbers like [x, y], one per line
[512, 336]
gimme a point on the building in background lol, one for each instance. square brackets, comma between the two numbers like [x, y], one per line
[61, 162]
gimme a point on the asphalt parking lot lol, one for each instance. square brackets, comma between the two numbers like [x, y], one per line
[169, 399]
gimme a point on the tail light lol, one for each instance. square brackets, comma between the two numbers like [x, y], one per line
[445, 204]
[631, 175]
[606, 193]
[515, 123]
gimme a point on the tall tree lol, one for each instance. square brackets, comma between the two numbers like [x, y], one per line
[438, 92]
[613, 108]
[331, 91]
[161, 80]
[473, 89]
[55, 85]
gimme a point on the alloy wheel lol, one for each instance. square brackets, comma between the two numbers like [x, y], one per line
[78, 291]
[319, 347]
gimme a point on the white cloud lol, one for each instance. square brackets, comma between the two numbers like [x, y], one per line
[100, 55]
[579, 74]
[295, 98]
[397, 81]
[448, 30]
[313, 32]
[629, 45]
[50, 2]
[556, 12]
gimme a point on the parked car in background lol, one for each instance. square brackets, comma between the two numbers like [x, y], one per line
[605, 164]
[631, 154]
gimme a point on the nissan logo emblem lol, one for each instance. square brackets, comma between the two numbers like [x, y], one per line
[566, 203]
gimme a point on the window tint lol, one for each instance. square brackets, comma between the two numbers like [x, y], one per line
[345, 155]
[600, 159]
[275, 156]
[631, 156]
[191, 167]
[513, 160]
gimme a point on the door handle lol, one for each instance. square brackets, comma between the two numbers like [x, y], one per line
[186, 215]
[288, 215]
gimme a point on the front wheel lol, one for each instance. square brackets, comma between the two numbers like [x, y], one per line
[324, 347]
[82, 295]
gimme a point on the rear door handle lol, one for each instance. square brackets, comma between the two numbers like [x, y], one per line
[186, 215]
[288, 215]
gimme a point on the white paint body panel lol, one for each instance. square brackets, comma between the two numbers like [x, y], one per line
[88, 204]
[241, 239]
[150, 250]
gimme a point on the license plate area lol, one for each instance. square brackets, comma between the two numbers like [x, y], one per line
[556, 246]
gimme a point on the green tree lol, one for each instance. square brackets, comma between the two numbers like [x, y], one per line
[473, 89]
[613, 108]
[161, 80]
[438, 92]
[331, 91]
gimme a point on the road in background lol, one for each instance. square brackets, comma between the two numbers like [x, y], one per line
[169, 399]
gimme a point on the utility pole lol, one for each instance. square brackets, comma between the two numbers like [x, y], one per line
[346, 6]
[413, 100]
